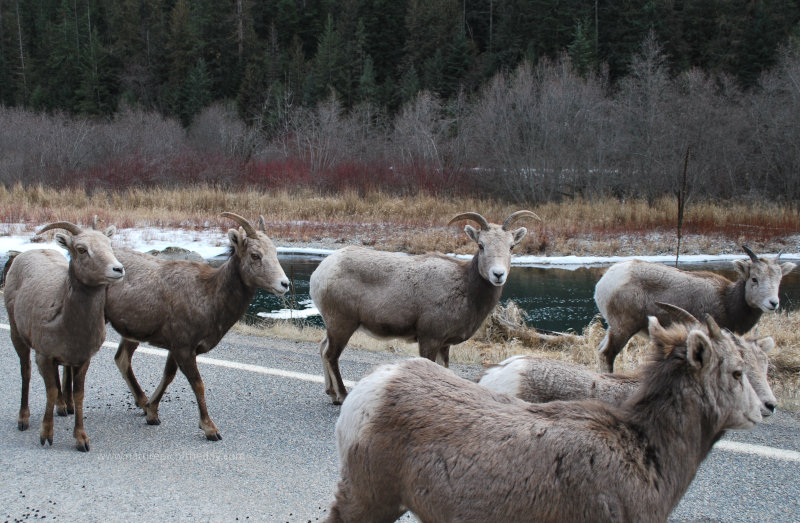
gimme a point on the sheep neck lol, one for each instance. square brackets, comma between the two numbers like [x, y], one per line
[481, 292]
[740, 317]
[672, 425]
[232, 295]
[82, 312]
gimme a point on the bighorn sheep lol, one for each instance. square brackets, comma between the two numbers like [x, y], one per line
[414, 436]
[628, 291]
[187, 307]
[433, 299]
[539, 380]
[55, 307]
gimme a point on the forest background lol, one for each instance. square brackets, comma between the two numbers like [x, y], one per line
[524, 101]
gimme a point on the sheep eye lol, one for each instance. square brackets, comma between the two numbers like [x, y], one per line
[81, 250]
[480, 246]
[255, 256]
[755, 280]
[737, 375]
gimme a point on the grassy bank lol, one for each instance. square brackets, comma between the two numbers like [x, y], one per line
[417, 223]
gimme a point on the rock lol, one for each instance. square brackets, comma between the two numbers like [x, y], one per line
[177, 253]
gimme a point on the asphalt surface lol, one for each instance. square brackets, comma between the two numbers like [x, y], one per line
[276, 461]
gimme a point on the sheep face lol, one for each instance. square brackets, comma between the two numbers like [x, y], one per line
[94, 262]
[258, 261]
[754, 353]
[762, 278]
[494, 251]
[720, 371]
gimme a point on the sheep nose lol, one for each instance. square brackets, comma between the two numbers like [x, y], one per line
[285, 284]
[770, 406]
[119, 270]
[774, 303]
[499, 274]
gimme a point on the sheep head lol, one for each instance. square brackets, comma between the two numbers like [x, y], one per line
[257, 256]
[91, 256]
[762, 279]
[495, 243]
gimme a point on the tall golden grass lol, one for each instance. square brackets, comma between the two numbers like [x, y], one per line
[416, 223]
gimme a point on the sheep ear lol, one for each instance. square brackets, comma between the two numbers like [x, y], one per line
[237, 239]
[262, 224]
[110, 231]
[766, 344]
[519, 234]
[742, 267]
[63, 240]
[471, 232]
[787, 267]
[654, 328]
[698, 349]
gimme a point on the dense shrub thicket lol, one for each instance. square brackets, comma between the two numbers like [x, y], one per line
[539, 133]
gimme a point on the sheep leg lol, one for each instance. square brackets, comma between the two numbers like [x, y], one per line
[350, 507]
[81, 438]
[188, 365]
[151, 407]
[330, 350]
[49, 371]
[435, 351]
[65, 404]
[611, 345]
[123, 360]
[24, 353]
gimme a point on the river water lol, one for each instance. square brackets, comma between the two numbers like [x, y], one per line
[555, 299]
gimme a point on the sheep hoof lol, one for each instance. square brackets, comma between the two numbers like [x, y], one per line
[214, 436]
[23, 425]
[62, 411]
[48, 439]
[70, 410]
[153, 421]
[83, 447]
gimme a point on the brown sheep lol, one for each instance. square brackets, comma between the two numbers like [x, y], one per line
[433, 299]
[414, 436]
[627, 294]
[55, 307]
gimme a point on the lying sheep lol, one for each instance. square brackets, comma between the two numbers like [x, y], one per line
[55, 307]
[627, 294]
[433, 299]
[187, 307]
[414, 436]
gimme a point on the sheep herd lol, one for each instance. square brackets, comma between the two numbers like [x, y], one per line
[535, 439]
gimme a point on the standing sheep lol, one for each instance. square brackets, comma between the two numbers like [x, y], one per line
[187, 307]
[433, 299]
[627, 294]
[55, 307]
[414, 436]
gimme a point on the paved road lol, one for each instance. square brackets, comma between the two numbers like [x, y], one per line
[277, 460]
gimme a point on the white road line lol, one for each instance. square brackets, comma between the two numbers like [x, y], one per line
[725, 445]
[758, 450]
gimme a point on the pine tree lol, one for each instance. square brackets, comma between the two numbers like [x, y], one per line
[581, 50]
[367, 87]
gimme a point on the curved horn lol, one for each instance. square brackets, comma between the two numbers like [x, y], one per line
[248, 229]
[477, 218]
[750, 253]
[516, 216]
[713, 328]
[67, 226]
[677, 313]
[96, 223]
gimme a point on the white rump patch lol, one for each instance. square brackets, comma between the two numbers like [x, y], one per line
[506, 376]
[359, 406]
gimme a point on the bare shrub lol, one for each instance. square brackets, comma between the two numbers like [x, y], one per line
[218, 129]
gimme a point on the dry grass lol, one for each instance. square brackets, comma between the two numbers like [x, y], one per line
[504, 334]
[416, 223]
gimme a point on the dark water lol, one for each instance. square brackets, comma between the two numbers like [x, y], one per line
[555, 299]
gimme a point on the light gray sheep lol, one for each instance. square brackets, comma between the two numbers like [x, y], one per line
[55, 307]
[414, 436]
[627, 294]
[187, 307]
[433, 299]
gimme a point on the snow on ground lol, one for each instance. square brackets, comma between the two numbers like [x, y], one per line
[211, 243]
